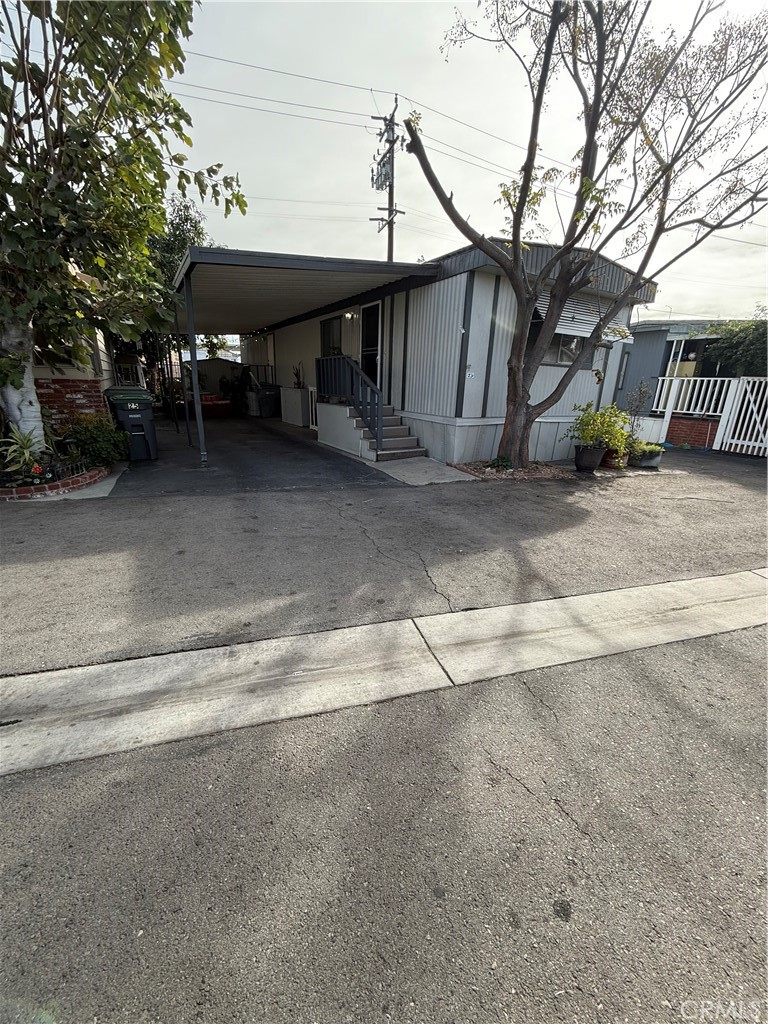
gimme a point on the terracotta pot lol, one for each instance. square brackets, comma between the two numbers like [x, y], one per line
[612, 459]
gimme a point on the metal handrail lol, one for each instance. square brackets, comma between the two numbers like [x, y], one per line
[341, 377]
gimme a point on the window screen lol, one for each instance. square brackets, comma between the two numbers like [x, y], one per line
[330, 337]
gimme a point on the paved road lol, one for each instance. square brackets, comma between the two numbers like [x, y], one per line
[104, 579]
[580, 844]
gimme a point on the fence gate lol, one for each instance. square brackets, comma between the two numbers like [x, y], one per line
[744, 422]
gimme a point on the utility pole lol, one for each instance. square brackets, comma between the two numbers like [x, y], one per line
[383, 177]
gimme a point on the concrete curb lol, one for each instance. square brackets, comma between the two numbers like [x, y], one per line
[72, 714]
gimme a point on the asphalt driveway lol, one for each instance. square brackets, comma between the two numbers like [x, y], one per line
[130, 575]
[244, 454]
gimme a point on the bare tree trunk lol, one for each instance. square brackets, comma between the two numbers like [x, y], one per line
[517, 423]
[513, 445]
[20, 405]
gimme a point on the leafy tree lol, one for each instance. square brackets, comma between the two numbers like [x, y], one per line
[184, 226]
[742, 346]
[673, 149]
[89, 138]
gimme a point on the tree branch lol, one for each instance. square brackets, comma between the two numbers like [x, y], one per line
[491, 250]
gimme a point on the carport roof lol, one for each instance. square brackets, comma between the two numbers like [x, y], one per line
[235, 291]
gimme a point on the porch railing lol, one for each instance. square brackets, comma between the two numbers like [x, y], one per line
[695, 396]
[340, 377]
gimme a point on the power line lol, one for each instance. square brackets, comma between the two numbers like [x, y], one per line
[372, 91]
[265, 99]
[291, 74]
[266, 110]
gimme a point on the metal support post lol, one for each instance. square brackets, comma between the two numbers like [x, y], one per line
[193, 367]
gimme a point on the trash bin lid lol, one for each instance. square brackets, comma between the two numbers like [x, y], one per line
[128, 394]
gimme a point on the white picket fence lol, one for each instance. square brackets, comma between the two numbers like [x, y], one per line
[698, 396]
[744, 422]
[740, 403]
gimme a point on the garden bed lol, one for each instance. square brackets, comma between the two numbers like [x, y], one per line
[536, 471]
[73, 483]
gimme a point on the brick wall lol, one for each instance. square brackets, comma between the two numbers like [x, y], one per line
[64, 397]
[695, 431]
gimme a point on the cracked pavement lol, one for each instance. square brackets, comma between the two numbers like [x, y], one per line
[581, 843]
[457, 857]
[147, 572]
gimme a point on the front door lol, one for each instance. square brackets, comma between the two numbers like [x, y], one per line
[370, 341]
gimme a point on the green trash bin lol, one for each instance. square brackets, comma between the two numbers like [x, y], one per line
[131, 409]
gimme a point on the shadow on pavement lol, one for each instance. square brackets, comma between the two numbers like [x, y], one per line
[570, 844]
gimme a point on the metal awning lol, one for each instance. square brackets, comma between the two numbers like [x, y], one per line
[239, 292]
[582, 312]
[234, 291]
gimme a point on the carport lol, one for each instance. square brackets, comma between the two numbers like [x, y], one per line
[235, 291]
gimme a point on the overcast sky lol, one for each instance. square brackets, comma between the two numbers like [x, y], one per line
[308, 182]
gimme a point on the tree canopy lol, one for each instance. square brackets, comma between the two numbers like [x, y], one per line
[91, 140]
[184, 227]
[742, 345]
[672, 150]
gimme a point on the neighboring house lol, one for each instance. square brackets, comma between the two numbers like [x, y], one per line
[694, 398]
[666, 348]
[69, 389]
[433, 338]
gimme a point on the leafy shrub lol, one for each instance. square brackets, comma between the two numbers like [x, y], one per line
[599, 428]
[642, 449]
[20, 451]
[96, 440]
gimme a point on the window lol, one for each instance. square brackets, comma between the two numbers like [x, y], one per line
[330, 337]
[622, 371]
[563, 349]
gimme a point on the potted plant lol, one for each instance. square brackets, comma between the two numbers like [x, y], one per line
[597, 432]
[641, 453]
[295, 400]
[644, 454]
[614, 422]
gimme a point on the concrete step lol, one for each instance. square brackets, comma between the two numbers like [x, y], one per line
[403, 453]
[398, 431]
[389, 421]
[390, 443]
[387, 410]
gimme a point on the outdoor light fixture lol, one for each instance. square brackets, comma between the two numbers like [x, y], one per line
[350, 316]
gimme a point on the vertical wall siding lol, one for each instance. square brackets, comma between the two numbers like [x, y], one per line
[505, 325]
[477, 353]
[301, 343]
[582, 389]
[434, 345]
[397, 350]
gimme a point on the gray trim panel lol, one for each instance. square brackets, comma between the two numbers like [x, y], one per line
[491, 340]
[405, 348]
[464, 351]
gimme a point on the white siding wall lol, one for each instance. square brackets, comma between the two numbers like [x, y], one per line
[433, 352]
[582, 389]
[106, 362]
[255, 350]
[301, 342]
[434, 345]
[479, 334]
[506, 311]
